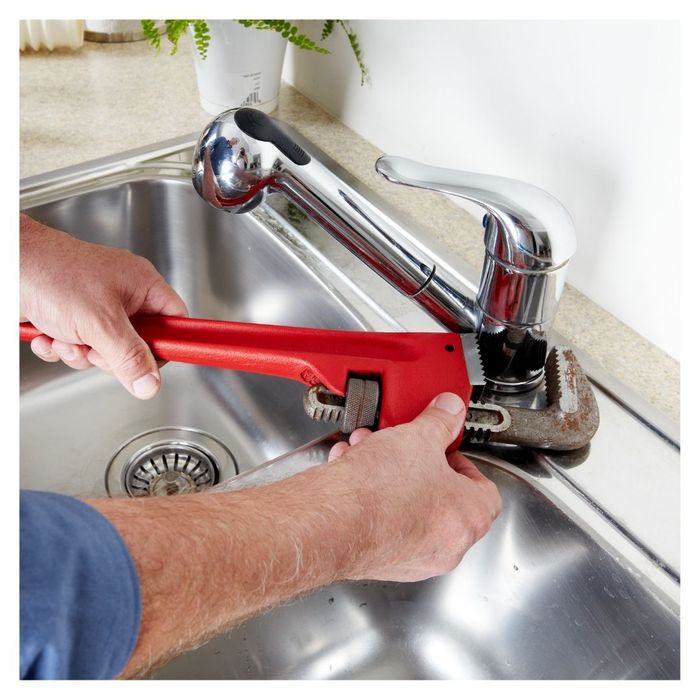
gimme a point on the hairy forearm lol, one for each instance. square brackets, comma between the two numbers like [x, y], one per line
[35, 239]
[235, 554]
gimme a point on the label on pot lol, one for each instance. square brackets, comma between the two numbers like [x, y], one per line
[250, 86]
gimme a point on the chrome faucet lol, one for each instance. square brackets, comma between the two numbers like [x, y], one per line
[529, 236]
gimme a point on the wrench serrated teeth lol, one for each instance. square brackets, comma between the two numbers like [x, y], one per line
[560, 379]
[553, 376]
[478, 435]
[317, 404]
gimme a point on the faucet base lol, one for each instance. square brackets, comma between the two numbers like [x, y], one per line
[500, 387]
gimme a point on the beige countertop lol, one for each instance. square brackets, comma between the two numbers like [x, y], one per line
[107, 98]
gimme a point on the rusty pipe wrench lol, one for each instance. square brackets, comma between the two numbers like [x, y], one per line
[377, 380]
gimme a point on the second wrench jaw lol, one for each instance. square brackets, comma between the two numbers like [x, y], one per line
[484, 420]
[322, 406]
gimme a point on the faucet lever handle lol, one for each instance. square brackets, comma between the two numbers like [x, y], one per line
[532, 231]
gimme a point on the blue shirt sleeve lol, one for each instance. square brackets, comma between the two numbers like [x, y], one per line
[80, 601]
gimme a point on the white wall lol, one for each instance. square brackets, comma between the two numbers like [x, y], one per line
[586, 110]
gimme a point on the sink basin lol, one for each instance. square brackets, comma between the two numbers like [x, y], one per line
[571, 582]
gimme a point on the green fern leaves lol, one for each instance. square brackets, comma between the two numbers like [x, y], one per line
[175, 28]
[151, 33]
[328, 27]
[288, 31]
[355, 45]
[200, 31]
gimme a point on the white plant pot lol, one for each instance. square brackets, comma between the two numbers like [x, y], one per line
[243, 67]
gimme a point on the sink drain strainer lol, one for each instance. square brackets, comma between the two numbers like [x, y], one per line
[169, 461]
[166, 469]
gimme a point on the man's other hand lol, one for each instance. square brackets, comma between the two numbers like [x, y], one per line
[81, 296]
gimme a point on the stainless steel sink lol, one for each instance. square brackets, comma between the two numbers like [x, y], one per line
[578, 578]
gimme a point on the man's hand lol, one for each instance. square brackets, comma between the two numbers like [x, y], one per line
[391, 506]
[81, 295]
[426, 508]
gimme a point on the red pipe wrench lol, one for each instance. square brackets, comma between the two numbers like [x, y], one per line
[409, 369]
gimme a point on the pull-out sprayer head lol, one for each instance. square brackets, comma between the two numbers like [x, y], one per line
[238, 155]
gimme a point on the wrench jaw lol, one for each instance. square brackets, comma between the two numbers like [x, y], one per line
[359, 408]
[568, 422]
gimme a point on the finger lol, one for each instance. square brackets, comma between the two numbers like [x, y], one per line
[126, 354]
[41, 347]
[491, 499]
[357, 436]
[463, 465]
[73, 355]
[442, 420]
[98, 361]
[338, 450]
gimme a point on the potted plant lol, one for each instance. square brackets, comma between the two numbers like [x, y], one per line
[239, 67]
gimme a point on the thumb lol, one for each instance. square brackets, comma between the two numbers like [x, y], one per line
[127, 356]
[163, 299]
[443, 419]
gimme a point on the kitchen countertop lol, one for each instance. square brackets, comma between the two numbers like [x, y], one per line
[108, 98]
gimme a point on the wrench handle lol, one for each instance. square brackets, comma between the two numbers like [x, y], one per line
[411, 367]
